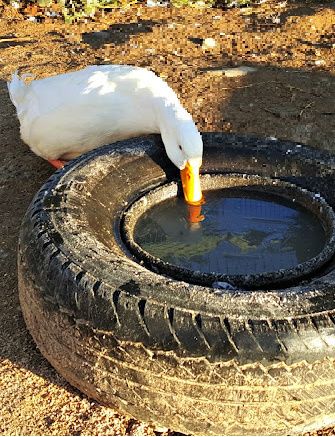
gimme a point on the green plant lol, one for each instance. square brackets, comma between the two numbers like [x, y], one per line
[193, 3]
[210, 3]
[44, 3]
[73, 10]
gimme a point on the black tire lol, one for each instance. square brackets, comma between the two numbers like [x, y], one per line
[242, 363]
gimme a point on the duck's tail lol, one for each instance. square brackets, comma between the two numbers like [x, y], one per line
[17, 88]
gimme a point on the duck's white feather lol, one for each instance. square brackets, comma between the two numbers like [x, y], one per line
[63, 116]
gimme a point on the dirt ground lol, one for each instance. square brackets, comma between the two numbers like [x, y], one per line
[291, 94]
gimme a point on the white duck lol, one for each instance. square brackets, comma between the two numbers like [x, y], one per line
[66, 115]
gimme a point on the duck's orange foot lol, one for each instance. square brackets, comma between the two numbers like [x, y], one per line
[57, 163]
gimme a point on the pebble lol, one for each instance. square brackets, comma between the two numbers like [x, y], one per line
[154, 3]
[233, 71]
[51, 14]
[238, 71]
[276, 20]
[208, 43]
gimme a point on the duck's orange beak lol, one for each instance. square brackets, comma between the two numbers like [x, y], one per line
[194, 214]
[190, 180]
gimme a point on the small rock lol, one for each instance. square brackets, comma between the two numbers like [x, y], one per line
[51, 14]
[156, 3]
[238, 71]
[232, 72]
[208, 43]
[276, 20]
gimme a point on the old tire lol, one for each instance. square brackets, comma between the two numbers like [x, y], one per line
[243, 363]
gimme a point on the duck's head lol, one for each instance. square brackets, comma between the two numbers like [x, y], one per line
[183, 145]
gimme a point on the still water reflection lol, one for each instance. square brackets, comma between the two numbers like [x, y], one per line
[242, 233]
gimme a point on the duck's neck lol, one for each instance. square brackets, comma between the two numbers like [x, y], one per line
[170, 114]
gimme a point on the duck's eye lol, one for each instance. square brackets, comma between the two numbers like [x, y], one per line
[180, 148]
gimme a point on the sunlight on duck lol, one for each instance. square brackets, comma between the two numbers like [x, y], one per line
[63, 116]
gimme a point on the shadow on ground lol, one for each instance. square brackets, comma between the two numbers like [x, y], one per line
[118, 33]
[271, 22]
